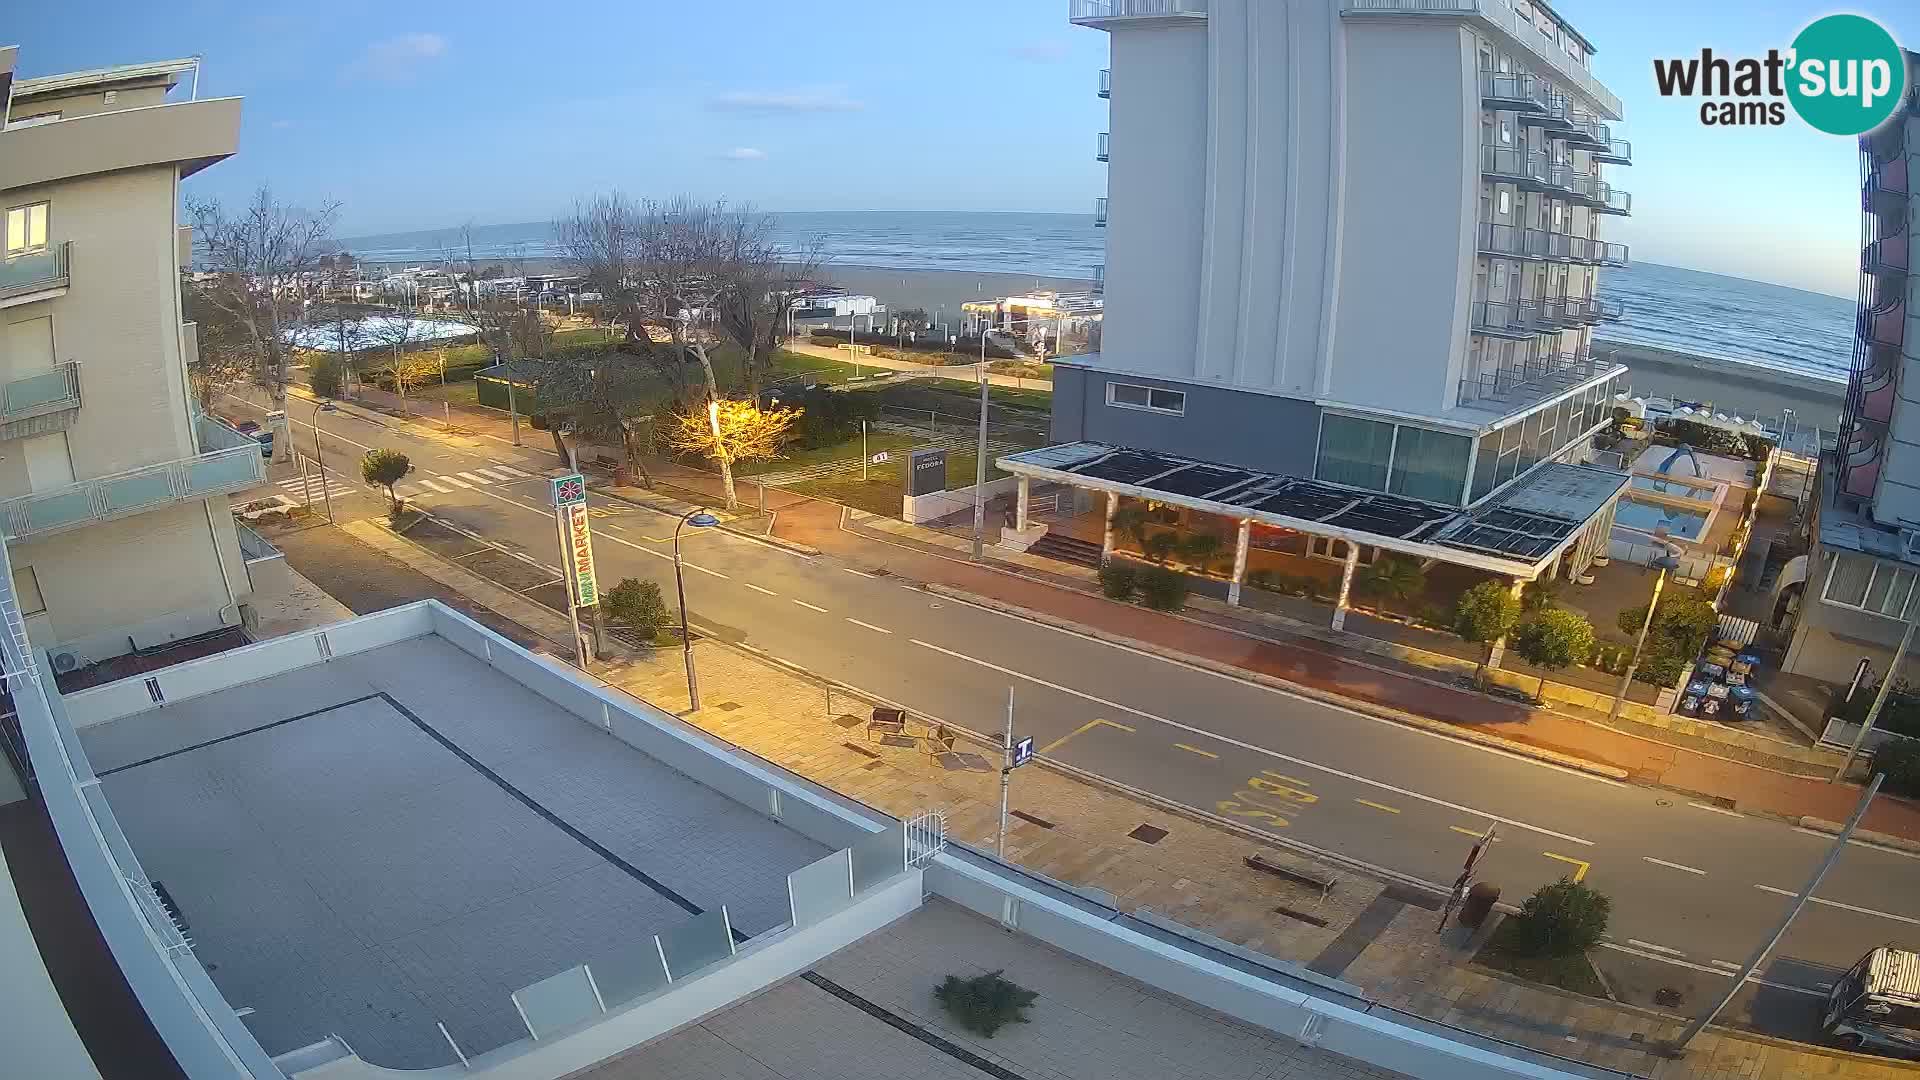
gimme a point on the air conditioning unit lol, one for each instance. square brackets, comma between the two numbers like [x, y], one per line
[65, 660]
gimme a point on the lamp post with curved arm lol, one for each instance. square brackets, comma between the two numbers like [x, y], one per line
[699, 519]
[319, 463]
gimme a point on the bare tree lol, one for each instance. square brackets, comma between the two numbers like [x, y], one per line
[607, 238]
[609, 398]
[755, 285]
[225, 358]
[263, 258]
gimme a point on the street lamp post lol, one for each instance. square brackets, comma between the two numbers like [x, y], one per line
[318, 461]
[1626, 680]
[699, 519]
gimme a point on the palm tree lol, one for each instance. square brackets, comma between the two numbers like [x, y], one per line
[1392, 578]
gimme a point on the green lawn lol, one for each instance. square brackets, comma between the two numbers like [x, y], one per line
[848, 450]
[1574, 972]
[464, 392]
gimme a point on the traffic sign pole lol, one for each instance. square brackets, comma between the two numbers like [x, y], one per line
[1006, 778]
[1465, 881]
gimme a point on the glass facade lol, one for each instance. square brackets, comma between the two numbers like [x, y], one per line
[1354, 452]
[1430, 465]
[1506, 452]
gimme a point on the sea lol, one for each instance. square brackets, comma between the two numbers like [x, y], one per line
[1668, 307]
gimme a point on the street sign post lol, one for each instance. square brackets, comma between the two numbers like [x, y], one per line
[1022, 752]
[1465, 881]
[568, 494]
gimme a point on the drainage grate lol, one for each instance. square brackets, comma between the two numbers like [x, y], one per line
[727, 706]
[1149, 834]
[1312, 920]
[1031, 820]
[858, 749]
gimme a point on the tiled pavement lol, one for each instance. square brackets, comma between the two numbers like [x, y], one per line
[1087, 1024]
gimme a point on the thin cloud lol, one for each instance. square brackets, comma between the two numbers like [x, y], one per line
[1040, 52]
[804, 99]
[398, 58]
[281, 125]
[745, 153]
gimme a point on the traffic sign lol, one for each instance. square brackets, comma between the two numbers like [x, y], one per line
[882, 458]
[1023, 751]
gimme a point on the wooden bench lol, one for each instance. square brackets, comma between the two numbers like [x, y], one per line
[886, 721]
[1312, 878]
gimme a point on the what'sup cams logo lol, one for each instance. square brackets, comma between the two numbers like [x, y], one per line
[1844, 75]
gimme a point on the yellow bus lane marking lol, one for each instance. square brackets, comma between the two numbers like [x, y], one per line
[1580, 867]
[1195, 750]
[1082, 729]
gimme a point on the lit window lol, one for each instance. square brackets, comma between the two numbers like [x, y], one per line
[26, 228]
[1135, 396]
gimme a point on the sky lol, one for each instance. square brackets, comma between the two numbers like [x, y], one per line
[428, 114]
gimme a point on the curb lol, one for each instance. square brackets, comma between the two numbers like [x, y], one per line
[1438, 727]
[1864, 836]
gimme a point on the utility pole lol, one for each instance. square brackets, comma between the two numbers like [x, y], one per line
[1006, 779]
[1879, 697]
[1678, 1047]
[513, 411]
[980, 466]
[1639, 643]
[863, 451]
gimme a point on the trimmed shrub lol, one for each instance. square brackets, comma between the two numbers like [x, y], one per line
[1119, 580]
[1900, 760]
[1160, 545]
[1163, 589]
[1562, 918]
[638, 605]
[985, 1003]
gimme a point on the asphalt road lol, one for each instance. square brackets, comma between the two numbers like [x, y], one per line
[1695, 887]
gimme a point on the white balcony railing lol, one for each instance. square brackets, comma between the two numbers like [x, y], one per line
[1096, 12]
[1100, 213]
[134, 491]
[1500, 15]
[25, 275]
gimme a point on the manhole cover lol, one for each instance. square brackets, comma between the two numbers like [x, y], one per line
[1149, 834]
[1666, 997]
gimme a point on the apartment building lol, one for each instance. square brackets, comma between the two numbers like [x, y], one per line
[1353, 246]
[113, 493]
[1856, 583]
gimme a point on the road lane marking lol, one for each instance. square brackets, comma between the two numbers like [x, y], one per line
[496, 477]
[1580, 866]
[472, 477]
[1677, 962]
[1195, 750]
[1330, 771]
[1655, 948]
[1728, 964]
[702, 569]
[1082, 729]
[511, 471]
[758, 589]
[1716, 809]
[869, 626]
[456, 481]
[858, 573]
[1856, 909]
[1284, 776]
[1382, 807]
[1674, 865]
[1477, 834]
[811, 607]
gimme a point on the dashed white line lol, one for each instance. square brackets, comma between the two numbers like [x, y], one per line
[456, 481]
[1690, 965]
[1716, 809]
[1843, 907]
[758, 589]
[870, 626]
[1828, 837]
[1728, 964]
[1655, 948]
[1674, 865]
[858, 573]
[496, 477]
[1251, 747]
[511, 471]
[811, 607]
[702, 569]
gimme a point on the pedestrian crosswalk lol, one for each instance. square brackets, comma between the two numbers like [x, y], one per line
[301, 489]
[421, 483]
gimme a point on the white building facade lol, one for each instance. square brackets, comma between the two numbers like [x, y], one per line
[1356, 241]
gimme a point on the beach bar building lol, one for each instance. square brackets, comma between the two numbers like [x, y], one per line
[1313, 346]
[1850, 597]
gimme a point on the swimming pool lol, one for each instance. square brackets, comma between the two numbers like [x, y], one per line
[1680, 524]
[1679, 489]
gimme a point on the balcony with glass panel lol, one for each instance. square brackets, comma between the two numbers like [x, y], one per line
[1616, 152]
[216, 471]
[1513, 91]
[1106, 83]
[1526, 170]
[40, 404]
[38, 275]
[1100, 152]
[1511, 319]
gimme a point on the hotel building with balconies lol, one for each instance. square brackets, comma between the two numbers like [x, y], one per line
[1857, 579]
[113, 490]
[1355, 244]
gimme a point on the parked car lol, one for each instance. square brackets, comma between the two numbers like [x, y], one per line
[260, 435]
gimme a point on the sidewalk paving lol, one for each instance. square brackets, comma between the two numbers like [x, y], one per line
[1078, 832]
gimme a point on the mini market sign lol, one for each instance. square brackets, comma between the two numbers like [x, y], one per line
[569, 496]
